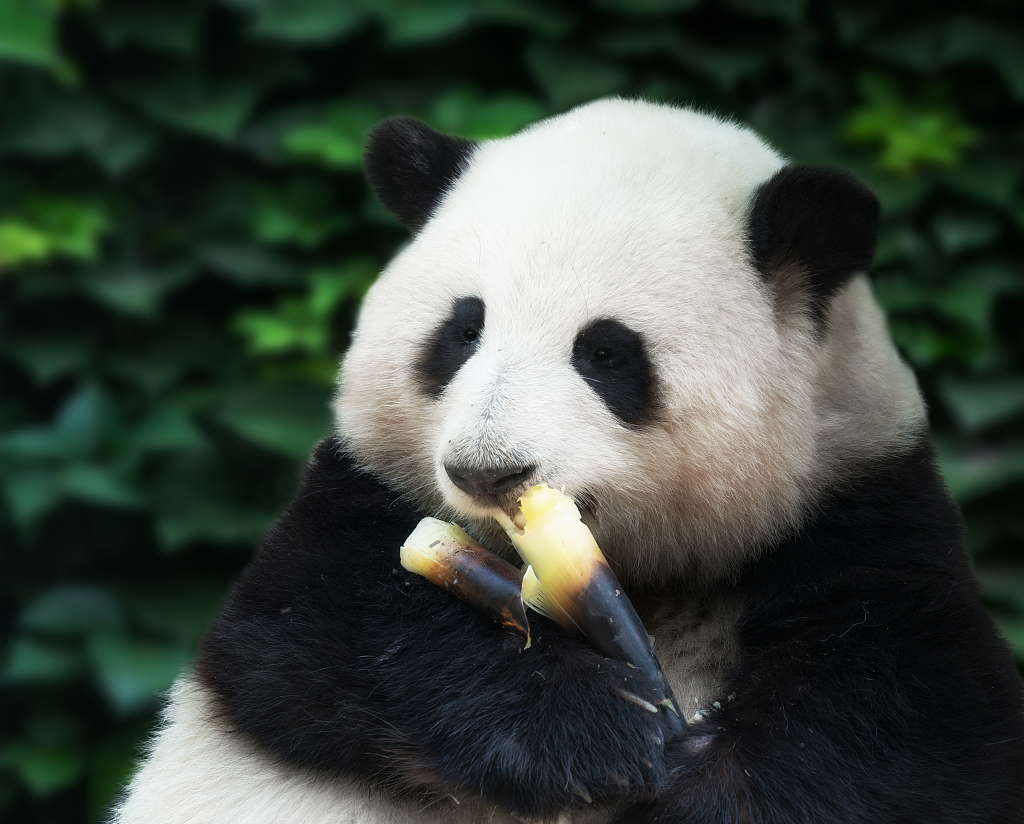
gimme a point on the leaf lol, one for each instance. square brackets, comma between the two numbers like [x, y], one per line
[1012, 628]
[47, 358]
[211, 104]
[247, 264]
[213, 521]
[32, 660]
[56, 122]
[99, 484]
[21, 243]
[82, 424]
[571, 76]
[1003, 582]
[165, 427]
[30, 493]
[45, 226]
[183, 612]
[337, 138]
[985, 41]
[73, 610]
[647, 6]
[911, 135]
[287, 417]
[45, 768]
[543, 18]
[131, 672]
[174, 26]
[972, 473]
[304, 322]
[412, 20]
[305, 21]
[981, 403]
[136, 288]
[985, 178]
[28, 32]
[301, 212]
[791, 11]
[467, 113]
[958, 230]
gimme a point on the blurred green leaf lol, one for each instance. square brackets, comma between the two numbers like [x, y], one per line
[304, 21]
[470, 114]
[542, 18]
[131, 671]
[989, 179]
[136, 288]
[166, 427]
[100, 484]
[85, 420]
[1004, 582]
[647, 6]
[413, 20]
[28, 31]
[73, 610]
[300, 212]
[980, 403]
[987, 42]
[46, 358]
[197, 520]
[960, 230]
[910, 136]
[29, 493]
[571, 76]
[337, 138]
[287, 417]
[49, 225]
[248, 264]
[304, 322]
[170, 25]
[972, 473]
[40, 661]
[183, 612]
[43, 768]
[210, 104]
[1012, 628]
[792, 11]
[55, 122]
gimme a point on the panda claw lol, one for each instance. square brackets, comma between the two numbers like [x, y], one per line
[580, 792]
[636, 700]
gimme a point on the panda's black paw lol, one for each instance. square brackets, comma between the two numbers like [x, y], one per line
[574, 729]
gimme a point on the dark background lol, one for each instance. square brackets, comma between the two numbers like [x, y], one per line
[185, 236]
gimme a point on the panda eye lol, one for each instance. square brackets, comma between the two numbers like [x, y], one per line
[450, 345]
[612, 359]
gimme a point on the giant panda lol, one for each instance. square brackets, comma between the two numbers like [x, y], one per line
[651, 308]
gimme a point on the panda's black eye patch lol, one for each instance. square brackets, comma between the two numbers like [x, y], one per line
[613, 360]
[450, 345]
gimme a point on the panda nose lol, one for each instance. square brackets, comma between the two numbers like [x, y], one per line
[490, 480]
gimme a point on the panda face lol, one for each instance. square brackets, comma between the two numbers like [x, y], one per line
[581, 307]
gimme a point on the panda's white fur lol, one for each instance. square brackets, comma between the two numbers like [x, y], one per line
[638, 212]
[623, 209]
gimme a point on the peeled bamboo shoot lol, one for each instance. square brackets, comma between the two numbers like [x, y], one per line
[446, 555]
[569, 580]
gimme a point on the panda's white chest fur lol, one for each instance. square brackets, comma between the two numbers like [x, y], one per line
[696, 643]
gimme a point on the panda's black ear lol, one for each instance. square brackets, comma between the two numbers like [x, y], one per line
[410, 167]
[816, 223]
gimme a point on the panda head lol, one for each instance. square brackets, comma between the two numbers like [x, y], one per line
[642, 304]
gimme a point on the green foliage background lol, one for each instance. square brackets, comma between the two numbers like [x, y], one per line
[185, 236]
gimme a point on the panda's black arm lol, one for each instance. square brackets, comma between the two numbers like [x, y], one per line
[872, 686]
[330, 655]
